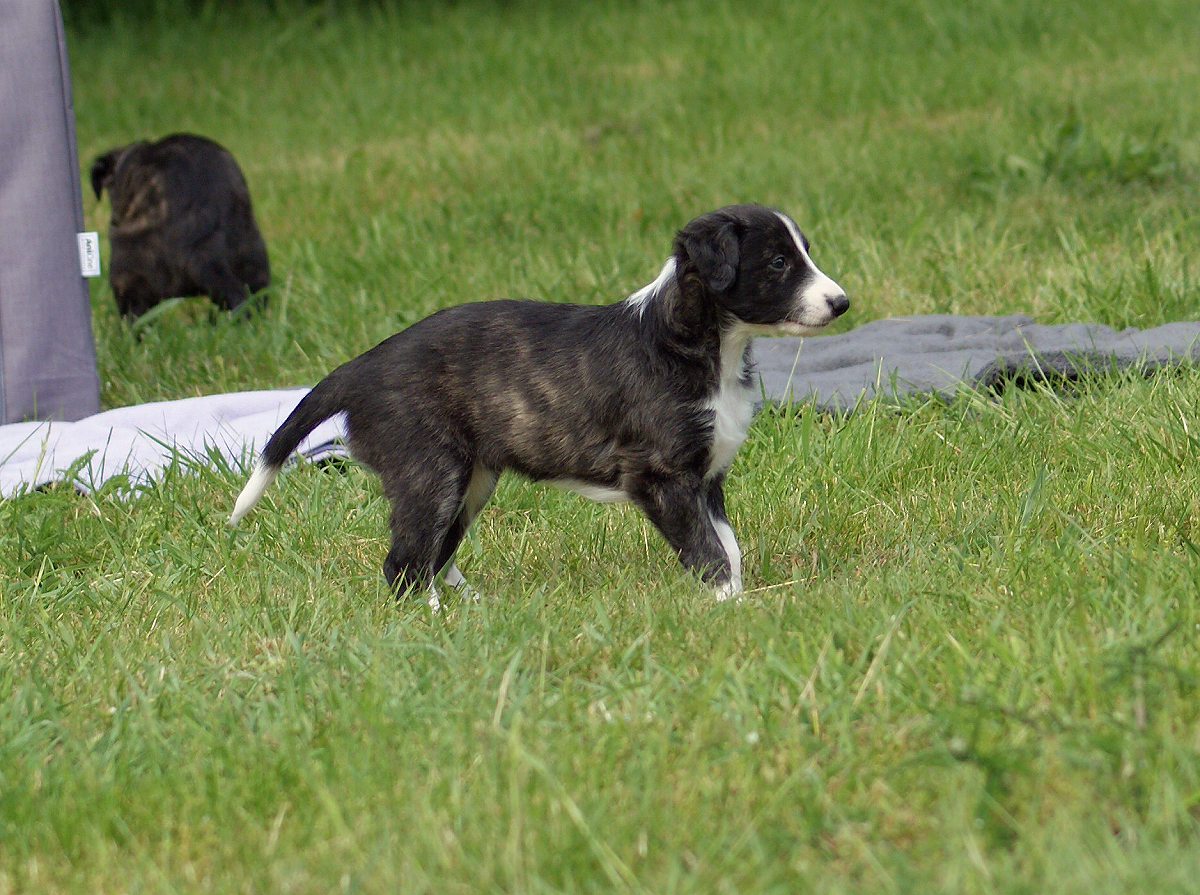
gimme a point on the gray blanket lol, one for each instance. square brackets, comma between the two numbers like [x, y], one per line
[940, 354]
[888, 359]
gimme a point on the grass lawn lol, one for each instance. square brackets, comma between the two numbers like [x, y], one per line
[968, 660]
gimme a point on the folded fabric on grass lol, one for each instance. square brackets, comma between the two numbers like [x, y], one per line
[888, 359]
[941, 354]
[141, 440]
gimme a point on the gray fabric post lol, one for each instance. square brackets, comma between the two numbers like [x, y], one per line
[47, 353]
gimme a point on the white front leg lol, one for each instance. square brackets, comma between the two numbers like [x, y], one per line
[733, 552]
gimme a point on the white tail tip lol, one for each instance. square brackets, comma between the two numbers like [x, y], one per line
[260, 480]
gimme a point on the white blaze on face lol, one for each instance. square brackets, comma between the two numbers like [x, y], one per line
[815, 297]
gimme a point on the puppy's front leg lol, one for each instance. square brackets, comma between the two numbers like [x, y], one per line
[716, 511]
[693, 522]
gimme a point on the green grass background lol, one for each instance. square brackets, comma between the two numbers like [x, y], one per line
[968, 660]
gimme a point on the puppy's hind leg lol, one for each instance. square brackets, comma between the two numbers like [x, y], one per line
[427, 520]
[215, 278]
[479, 489]
[134, 296]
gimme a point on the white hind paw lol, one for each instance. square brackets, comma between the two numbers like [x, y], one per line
[454, 578]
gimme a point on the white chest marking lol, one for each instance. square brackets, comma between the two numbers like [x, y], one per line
[733, 409]
[733, 404]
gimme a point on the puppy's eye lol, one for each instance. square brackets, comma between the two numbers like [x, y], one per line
[778, 263]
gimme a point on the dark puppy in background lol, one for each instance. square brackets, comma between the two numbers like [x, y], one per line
[182, 224]
[645, 400]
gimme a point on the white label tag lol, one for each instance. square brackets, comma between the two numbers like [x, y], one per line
[89, 254]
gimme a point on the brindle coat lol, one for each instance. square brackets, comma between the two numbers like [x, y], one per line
[182, 224]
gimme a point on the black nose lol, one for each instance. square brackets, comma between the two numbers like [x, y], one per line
[839, 304]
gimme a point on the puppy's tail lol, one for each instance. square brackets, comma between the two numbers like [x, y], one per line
[314, 408]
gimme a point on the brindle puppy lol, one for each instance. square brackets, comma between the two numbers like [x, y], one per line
[182, 224]
[645, 400]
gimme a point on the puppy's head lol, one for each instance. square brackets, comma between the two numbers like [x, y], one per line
[753, 263]
[104, 168]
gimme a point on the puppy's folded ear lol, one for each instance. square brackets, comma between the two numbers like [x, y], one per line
[103, 169]
[711, 244]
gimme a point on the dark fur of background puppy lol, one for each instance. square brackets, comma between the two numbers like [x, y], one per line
[182, 224]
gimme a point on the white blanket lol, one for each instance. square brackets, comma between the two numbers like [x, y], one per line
[141, 440]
